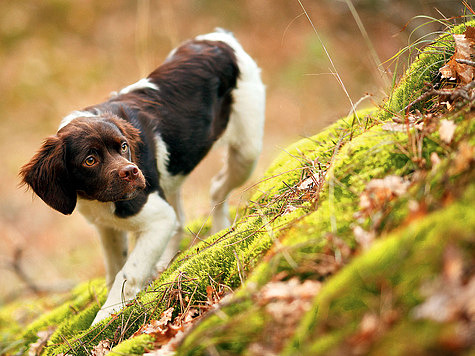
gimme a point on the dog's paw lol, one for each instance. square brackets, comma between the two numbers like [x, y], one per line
[102, 314]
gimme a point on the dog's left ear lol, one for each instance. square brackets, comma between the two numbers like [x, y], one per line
[48, 176]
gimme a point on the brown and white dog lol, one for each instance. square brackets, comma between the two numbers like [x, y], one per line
[122, 162]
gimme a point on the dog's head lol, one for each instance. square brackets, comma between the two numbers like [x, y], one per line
[90, 157]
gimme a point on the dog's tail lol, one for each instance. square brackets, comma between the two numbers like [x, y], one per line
[246, 123]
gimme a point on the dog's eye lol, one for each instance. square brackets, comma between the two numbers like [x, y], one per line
[124, 147]
[90, 161]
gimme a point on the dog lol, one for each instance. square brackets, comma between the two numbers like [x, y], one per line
[121, 163]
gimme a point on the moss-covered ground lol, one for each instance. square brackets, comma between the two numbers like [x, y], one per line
[378, 208]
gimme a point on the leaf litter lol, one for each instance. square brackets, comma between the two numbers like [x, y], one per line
[284, 302]
[451, 297]
[461, 66]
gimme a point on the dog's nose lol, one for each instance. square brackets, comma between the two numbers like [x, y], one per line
[129, 172]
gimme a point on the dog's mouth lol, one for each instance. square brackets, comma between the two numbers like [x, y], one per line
[133, 189]
[130, 195]
[117, 190]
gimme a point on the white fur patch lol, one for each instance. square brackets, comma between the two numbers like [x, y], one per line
[249, 69]
[76, 114]
[99, 213]
[143, 83]
[169, 183]
[246, 123]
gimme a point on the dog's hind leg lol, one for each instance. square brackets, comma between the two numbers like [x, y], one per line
[244, 139]
[172, 248]
[233, 174]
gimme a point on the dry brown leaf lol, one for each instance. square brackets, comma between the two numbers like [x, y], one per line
[288, 209]
[43, 337]
[448, 297]
[380, 191]
[285, 302]
[168, 349]
[464, 49]
[447, 130]
[288, 290]
[213, 295]
[310, 182]
[162, 330]
[363, 237]
[189, 315]
[400, 125]
[157, 325]
[168, 337]
[102, 348]
[435, 160]
[464, 157]
[448, 303]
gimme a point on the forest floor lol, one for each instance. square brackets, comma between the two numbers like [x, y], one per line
[357, 240]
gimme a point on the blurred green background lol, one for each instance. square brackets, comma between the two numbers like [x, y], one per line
[60, 55]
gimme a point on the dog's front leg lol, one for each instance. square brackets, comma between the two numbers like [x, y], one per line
[151, 242]
[114, 249]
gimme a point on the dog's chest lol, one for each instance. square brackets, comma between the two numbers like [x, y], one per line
[103, 214]
[155, 211]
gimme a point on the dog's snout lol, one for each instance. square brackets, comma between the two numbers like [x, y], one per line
[129, 172]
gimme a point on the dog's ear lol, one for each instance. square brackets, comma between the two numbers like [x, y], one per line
[48, 176]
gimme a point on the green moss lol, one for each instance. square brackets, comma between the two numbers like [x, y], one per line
[134, 346]
[83, 295]
[228, 338]
[16, 315]
[211, 261]
[289, 166]
[399, 264]
[422, 71]
[358, 153]
[348, 154]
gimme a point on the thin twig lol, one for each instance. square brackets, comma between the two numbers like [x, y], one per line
[17, 268]
[465, 61]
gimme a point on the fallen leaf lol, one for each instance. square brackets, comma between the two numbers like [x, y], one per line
[447, 130]
[213, 295]
[453, 265]
[288, 209]
[449, 298]
[168, 334]
[435, 160]
[289, 290]
[401, 126]
[168, 349]
[310, 182]
[464, 49]
[363, 237]
[43, 337]
[380, 191]
[464, 157]
[285, 303]
[102, 348]
[162, 330]
[189, 315]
